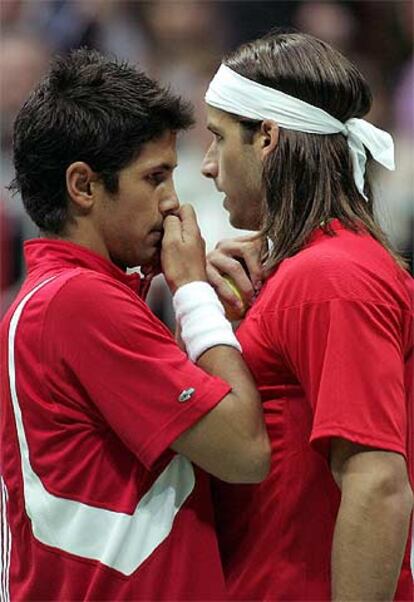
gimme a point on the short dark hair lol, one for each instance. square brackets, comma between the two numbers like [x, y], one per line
[308, 178]
[88, 108]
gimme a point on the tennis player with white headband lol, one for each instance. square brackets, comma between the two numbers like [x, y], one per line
[229, 91]
[328, 332]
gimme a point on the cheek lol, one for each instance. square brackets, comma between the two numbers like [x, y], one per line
[227, 170]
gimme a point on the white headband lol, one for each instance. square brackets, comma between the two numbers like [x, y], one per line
[234, 93]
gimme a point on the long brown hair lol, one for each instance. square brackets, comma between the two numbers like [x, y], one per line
[309, 177]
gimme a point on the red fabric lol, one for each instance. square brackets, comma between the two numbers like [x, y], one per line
[98, 381]
[330, 344]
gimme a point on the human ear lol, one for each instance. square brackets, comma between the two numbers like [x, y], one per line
[269, 137]
[80, 179]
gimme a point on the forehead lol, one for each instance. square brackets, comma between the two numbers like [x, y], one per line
[158, 152]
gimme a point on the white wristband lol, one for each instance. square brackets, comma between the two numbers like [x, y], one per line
[200, 315]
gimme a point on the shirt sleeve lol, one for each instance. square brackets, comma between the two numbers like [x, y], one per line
[347, 355]
[126, 364]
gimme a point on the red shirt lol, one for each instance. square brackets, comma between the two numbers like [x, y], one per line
[94, 505]
[330, 344]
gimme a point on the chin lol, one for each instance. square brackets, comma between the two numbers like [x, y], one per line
[245, 221]
[238, 222]
[151, 259]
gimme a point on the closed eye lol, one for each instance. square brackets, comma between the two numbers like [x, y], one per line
[157, 178]
[217, 136]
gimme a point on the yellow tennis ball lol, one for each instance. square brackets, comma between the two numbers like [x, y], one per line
[232, 313]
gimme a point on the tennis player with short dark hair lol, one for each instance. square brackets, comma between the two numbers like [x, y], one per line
[102, 414]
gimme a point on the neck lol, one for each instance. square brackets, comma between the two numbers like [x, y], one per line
[82, 235]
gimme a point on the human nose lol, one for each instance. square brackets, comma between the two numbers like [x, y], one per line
[209, 167]
[169, 202]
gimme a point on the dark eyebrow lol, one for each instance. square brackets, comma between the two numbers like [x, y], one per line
[163, 167]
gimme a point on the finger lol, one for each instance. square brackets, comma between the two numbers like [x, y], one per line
[240, 278]
[249, 249]
[188, 218]
[231, 267]
[240, 241]
[186, 211]
[223, 290]
[252, 256]
[172, 230]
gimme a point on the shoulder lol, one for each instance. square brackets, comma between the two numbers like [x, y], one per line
[86, 285]
[348, 266]
[86, 298]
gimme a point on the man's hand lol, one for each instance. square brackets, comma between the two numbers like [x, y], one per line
[183, 254]
[239, 259]
[372, 524]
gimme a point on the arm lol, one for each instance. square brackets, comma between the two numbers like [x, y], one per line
[230, 441]
[373, 521]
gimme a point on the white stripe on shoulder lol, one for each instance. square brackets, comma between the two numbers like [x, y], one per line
[120, 541]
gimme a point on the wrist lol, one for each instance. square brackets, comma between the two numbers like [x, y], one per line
[176, 285]
[200, 316]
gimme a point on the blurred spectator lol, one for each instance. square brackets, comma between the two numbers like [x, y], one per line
[251, 19]
[404, 101]
[333, 22]
[11, 240]
[10, 14]
[399, 189]
[23, 60]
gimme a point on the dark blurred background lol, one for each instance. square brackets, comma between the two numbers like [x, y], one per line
[181, 42]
